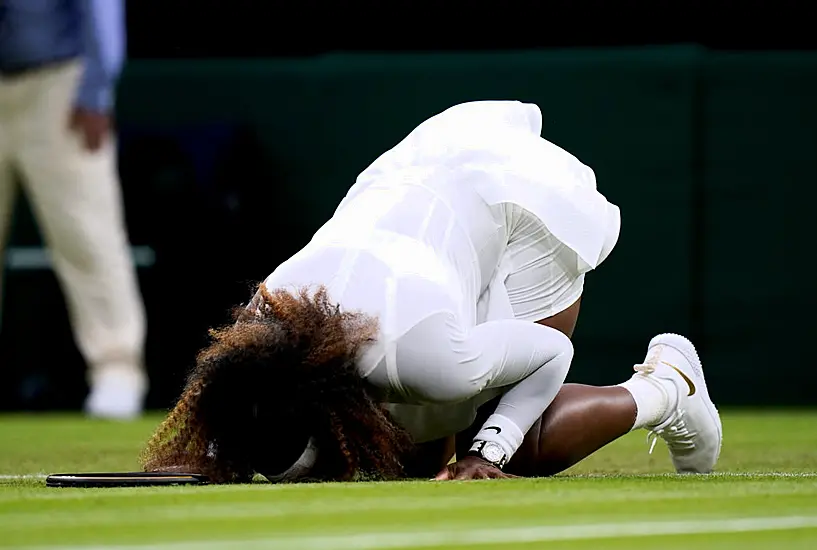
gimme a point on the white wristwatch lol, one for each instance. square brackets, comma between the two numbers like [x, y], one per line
[489, 452]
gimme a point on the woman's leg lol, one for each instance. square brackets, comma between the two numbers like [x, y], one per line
[667, 395]
[581, 420]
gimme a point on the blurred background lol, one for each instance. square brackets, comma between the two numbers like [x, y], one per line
[242, 124]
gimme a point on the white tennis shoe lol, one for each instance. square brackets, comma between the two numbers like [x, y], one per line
[692, 431]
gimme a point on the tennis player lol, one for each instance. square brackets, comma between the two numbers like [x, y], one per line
[434, 311]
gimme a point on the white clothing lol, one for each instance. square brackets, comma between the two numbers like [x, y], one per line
[446, 231]
[443, 372]
[538, 274]
[76, 198]
[495, 147]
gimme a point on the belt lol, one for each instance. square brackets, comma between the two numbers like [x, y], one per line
[19, 71]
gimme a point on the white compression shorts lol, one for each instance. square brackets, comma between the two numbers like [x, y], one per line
[541, 274]
[442, 371]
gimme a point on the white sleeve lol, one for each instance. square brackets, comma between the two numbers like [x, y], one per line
[534, 360]
[440, 362]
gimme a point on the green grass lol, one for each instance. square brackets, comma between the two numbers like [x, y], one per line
[765, 497]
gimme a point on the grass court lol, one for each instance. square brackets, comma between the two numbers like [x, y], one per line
[764, 496]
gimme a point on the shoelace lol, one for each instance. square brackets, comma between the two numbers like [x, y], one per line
[674, 430]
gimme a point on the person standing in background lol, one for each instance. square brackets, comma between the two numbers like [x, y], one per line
[59, 64]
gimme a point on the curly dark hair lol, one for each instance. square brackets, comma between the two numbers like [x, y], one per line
[282, 373]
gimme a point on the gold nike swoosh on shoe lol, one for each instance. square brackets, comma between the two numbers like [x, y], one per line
[689, 382]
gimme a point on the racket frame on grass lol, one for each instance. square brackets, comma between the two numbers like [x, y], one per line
[124, 479]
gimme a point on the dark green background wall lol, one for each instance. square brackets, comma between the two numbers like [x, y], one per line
[711, 157]
[758, 225]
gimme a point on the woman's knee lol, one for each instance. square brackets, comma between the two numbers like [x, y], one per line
[563, 353]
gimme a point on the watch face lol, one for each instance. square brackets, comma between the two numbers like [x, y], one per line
[493, 453]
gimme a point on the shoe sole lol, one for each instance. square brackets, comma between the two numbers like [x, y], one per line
[686, 348]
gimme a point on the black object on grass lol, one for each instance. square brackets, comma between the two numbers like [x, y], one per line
[124, 479]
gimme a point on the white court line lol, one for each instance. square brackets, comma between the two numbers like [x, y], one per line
[503, 536]
[693, 476]
[583, 476]
[283, 507]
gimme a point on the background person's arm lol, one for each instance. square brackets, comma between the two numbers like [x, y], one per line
[103, 34]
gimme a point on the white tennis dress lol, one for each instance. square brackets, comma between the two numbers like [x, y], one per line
[456, 239]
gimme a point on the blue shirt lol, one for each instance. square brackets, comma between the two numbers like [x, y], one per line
[38, 32]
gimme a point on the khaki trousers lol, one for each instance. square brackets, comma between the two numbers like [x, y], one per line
[76, 197]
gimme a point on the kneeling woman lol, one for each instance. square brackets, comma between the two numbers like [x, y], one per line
[433, 311]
